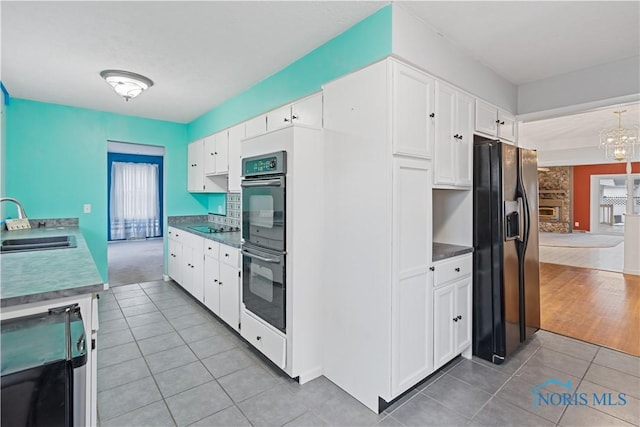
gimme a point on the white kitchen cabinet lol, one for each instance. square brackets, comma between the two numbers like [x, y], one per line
[236, 134]
[197, 180]
[496, 122]
[413, 112]
[216, 154]
[452, 300]
[307, 111]
[384, 346]
[222, 282]
[186, 261]
[256, 126]
[453, 165]
[412, 328]
[269, 342]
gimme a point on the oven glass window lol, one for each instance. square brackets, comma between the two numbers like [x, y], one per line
[261, 282]
[261, 210]
[263, 289]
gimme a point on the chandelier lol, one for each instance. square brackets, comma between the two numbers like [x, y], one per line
[620, 144]
[126, 84]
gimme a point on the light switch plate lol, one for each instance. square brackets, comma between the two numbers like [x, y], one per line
[87, 208]
[17, 224]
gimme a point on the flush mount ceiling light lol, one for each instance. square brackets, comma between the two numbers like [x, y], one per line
[619, 143]
[126, 84]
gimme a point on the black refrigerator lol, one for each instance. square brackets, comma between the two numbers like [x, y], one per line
[506, 282]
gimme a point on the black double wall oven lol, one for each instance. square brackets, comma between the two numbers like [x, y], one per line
[264, 237]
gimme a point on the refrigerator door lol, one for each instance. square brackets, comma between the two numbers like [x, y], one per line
[510, 340]
[530, 255]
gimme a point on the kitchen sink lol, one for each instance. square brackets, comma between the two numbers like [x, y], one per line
[38, 243]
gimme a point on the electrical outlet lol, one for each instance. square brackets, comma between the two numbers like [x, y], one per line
[576, 224]
[87, 208]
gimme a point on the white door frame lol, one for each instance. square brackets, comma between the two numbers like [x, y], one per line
[594, 200]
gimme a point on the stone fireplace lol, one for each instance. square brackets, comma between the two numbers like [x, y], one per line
[555, 214]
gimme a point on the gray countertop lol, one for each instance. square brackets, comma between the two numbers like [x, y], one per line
[35, 276]
[233, 238]
[444, 250]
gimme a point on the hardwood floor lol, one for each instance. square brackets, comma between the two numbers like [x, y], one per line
[600, 307]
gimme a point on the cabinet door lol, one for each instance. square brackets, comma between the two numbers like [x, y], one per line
[507, 126]
[413, 112]
[464, 143]
[222, 152]
[236, 134]
[278, 118]
[463, 310]
[486, 118]
[209, 153]
[443, 325]
[444, 168]
[308, 111]
[197, 273]
[230, 295]
[256, 126]
[175, 261]
[195, 165]
[211, 284]
[412, 339]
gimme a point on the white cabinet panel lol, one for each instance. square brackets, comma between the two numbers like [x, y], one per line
[443, 325]
[195, 177]
[413, 112]
[236, 134]
[175, 260]
[486, 118]
[209, 154]
[265, 339]
[279, 118]
[230, 295]
[507, 126]
[308, 111]
[256, 126]
[444, 169]
[412, 338]
[464, 143]
[222, 152]
[211, 284]
[222, 283]
[464, 312]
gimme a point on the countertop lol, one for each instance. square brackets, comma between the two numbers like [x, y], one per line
[444, 250]
[35, 276]
[233, 238]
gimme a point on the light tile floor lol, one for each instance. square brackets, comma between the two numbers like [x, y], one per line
[164, 360]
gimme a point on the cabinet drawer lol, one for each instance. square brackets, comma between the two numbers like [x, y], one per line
[211, 248]
[229, 255]
[176, 234]
[262, 337]
[452, 269]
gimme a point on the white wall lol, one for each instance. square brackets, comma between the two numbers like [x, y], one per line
[415, 42]
[612, 80]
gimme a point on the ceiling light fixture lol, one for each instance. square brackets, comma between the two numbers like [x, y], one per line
[620, 144]
[126, 84]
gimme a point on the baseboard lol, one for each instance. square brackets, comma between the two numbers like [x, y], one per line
[166, 277]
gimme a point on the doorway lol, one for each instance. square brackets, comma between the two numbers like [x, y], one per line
[135, 212]
[608, 202]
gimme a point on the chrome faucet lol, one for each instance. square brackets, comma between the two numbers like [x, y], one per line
[21, 213]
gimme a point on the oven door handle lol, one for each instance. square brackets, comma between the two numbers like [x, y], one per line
[261, 258]
[263, 183]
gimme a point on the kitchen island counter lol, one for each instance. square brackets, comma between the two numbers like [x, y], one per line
[41, 275]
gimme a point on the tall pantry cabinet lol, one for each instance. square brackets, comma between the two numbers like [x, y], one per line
[378, 339]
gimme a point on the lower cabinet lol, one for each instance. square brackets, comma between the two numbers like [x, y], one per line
[451, 319]
[222, 283]
[193, 270]
[271, 343]
[175, 260]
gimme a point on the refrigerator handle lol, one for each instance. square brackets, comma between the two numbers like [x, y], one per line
[521, 220]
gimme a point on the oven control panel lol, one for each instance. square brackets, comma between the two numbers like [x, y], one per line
[268, 164]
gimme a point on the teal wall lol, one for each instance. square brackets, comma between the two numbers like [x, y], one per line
[57, 162]
[361, 45]
[57, 155]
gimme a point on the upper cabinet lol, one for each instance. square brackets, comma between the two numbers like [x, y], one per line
[307, 111]
[197, 179]
[494, 121]
[256, 126]
[453, 137]
[413, 112]
[236, 134]
[216, 154]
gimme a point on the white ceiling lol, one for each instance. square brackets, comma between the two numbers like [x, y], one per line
[200, 54]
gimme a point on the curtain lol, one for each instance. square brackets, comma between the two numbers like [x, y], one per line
[135, 201]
